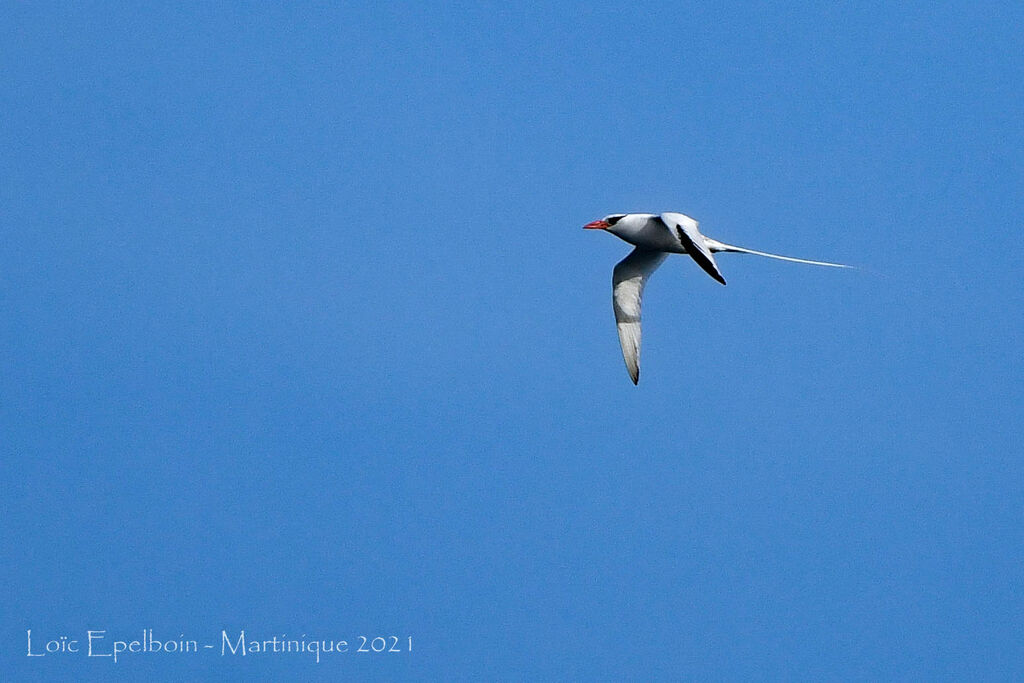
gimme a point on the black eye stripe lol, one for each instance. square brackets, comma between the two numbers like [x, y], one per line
[612, 220]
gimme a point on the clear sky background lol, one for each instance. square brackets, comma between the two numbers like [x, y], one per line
[299, 334]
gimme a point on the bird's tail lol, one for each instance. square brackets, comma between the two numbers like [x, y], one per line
[715, 245]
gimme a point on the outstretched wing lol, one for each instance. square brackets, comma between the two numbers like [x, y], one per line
[685, 228]
[628, 280]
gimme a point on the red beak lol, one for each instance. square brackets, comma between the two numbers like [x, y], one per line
[596, 225]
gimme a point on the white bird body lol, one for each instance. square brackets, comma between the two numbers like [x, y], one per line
[648, 231]
[655, 237]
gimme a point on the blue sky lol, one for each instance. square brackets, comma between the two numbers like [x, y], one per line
[299, 334]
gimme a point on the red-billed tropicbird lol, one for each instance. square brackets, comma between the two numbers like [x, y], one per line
[655, 237]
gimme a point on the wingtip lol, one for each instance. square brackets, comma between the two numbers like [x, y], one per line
[634, 374]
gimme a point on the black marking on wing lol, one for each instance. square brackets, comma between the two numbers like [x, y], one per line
[699, 256]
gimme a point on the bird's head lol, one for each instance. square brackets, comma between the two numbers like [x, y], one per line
[605, 223]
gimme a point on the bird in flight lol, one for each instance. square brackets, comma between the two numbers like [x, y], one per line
[655, 237]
